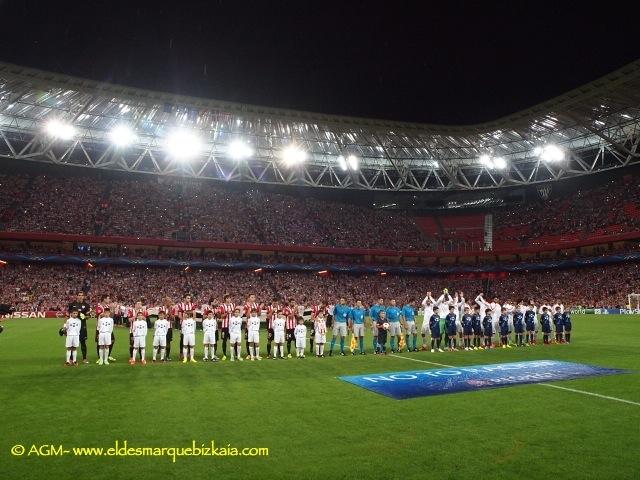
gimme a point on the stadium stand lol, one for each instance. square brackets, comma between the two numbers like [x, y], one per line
[205, 211]
[43, 288]
[147, 208]
[608, 209]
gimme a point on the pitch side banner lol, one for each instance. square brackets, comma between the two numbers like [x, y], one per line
[420, 383]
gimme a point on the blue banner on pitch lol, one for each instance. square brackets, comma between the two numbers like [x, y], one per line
[420, 383]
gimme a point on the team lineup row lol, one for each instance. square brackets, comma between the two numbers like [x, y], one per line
[448, 318]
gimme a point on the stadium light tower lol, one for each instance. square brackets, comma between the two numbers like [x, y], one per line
[121, 136]
[293, 155]
[59, 129]
[239, 150]
[183, 144]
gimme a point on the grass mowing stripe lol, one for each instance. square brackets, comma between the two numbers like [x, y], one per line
[590, 393]
[543, 384]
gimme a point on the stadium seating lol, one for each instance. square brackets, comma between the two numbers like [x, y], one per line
[151, 208]
[199, 211]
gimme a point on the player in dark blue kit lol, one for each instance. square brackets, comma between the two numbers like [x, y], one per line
[476, 325]
[530, 324]
[467, 328]
[545, 320]
[434, 328]
[503, 323]
[518, 326]
[451, 327]
[566, 320]
[558, 321]
[487, 327]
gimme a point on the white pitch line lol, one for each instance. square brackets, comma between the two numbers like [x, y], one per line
[422, 361]
[590, 393]
[543, 384]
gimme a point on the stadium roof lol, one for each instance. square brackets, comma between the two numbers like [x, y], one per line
[592, 128]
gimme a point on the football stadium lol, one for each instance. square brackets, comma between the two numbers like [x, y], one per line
[198, 287]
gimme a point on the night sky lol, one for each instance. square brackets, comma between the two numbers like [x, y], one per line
[445, 62]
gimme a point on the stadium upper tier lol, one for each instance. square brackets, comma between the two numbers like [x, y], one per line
[55, 118]
[117, 206]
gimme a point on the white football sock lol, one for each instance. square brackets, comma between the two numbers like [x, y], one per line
[161, 353]
[68, 356]
[142, 352]
[184, 352]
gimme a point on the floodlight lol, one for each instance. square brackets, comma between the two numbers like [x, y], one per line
[353, 162]
[486, 160]
[61, 130]
[499, 163]
[552, 153]
[121, 136]
[342, 162]
[183, 144]
[239, 150]
[293, 155]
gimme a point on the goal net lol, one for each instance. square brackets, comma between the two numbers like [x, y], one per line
[634, 301]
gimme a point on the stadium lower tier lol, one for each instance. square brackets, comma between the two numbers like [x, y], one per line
[39, 287]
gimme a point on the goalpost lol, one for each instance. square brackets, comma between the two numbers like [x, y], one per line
[633, 301]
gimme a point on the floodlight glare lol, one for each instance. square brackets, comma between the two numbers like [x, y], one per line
[121, 136]
[58, 129]
[499, 163]
[486, 160]
[293, 155]
[552, 153]
[183, 144]
[342, 162]
[353, 162]
[239, 150]
[537, 151]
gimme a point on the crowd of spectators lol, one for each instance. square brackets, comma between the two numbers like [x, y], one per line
[152, 208]
[45, 287]
[583, 212]
[155, 207]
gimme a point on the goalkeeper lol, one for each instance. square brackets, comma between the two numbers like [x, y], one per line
[83, 309]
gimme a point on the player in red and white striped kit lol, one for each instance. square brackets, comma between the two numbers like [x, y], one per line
[130, 314]
[291, 314]
[226, 309]
[272, 311]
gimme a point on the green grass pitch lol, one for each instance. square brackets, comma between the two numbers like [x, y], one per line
[315, 425]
